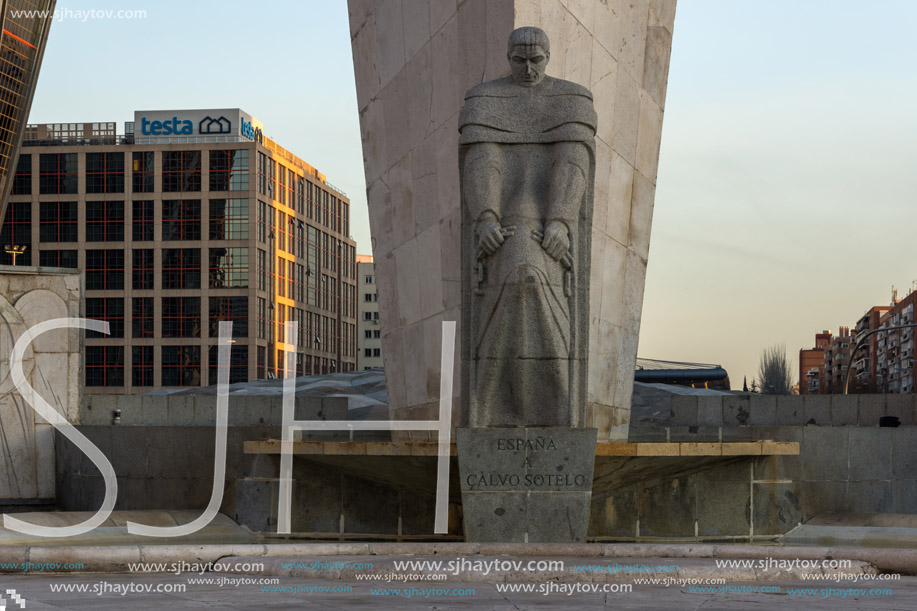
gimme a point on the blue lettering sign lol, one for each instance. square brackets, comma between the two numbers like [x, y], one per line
[249, 131]
[181, 127]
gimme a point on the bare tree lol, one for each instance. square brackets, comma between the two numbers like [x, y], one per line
[775, 374]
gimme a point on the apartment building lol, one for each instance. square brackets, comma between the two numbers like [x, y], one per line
[895, 348]
[866, 359]
[837, 362]
[812, 364]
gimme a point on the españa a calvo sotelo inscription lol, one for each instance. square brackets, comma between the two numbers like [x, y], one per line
[527, 170]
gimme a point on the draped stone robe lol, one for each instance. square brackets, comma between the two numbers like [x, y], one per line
[526, 158]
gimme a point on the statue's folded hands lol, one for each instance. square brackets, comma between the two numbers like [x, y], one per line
[556, 240]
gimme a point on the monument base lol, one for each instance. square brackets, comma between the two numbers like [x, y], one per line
[526, 484]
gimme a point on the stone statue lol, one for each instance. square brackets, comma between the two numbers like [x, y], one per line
[527, 168]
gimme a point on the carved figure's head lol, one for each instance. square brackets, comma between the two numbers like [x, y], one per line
[528, 51]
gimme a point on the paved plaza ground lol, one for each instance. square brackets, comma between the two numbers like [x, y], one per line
[38, 592]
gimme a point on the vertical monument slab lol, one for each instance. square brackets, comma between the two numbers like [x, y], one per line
[413, 62]
[29, 296]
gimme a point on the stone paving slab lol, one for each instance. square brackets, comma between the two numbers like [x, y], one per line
[313, 594]
[504, 569]
[114, 559]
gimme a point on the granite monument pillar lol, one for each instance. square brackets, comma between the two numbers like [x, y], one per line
[527, 174]
[413, 62]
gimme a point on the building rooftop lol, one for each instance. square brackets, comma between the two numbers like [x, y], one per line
[168, 127]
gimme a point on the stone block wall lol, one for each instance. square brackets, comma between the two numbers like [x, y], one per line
[847, 464]
[200, 410]
[807, 410]
[157, 467]
[413, 61]
[328, 500]
[171, 467]
[163, 450]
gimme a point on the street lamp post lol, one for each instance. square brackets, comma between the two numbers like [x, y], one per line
[15, 251]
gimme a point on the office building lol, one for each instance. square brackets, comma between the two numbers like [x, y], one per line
[189, 218]
[22, 46]
[369, 334]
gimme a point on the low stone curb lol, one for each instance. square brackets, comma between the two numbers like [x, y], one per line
[114, 559]
[695, 570]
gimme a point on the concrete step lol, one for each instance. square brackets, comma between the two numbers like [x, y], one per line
[864, 530]
[113, 532]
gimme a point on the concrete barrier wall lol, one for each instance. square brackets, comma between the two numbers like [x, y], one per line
[200, 410]
[171, 467]
[847, 463]
[158, 467]
[840, 469]
[770, 410]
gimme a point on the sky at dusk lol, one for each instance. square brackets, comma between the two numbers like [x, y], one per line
[786, 187]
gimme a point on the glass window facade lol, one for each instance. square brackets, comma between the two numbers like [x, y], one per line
[163, 268]
[142, 317]
[229, 170]
[262, 222]
[104, 172]
[142, 365]
[142, 271]
[262, 270]
[181, 220]
[104, 221]
[262, 317]
[181, 365]
[181, 316]
[231, 309]
[22, 180]
[57, 173]
[229, 219]
[104, 365]
[181, 268]
[262, 173]
[108, 309]
[57, 258]
[104, 270]
[142, 172]
[143, 221]
[238, 364]
[17, 231]
[57, 222]
[181, 171]
[228, 268]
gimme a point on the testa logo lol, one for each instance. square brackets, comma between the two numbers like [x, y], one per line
[209, 125]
